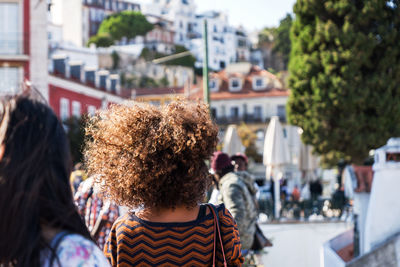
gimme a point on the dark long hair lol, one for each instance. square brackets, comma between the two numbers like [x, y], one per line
[34, 181]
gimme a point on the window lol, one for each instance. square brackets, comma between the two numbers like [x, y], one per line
[214, 113]
[234, 112]
[215, 28]
[281, 110]
[257, 112]
[11, 39]
[76, 109]
[213, 85]
[10, 80]
[260, 135]
[258, 83]
[91, 110]
[64, 109]
[235, 84]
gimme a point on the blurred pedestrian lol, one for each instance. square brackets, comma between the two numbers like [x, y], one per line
[241, 162]
[237, 198]
[39, 224]
[153, 158]
[77, 176]
[296, 194]
[316, 189]
[98, 213]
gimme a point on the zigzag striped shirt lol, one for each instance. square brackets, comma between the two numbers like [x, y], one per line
[136, 242]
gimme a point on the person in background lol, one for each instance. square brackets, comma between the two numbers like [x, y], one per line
[98, 213]
[296, 194]
[316, 189]
[77, 176]
[241, 164]
[236, 196]
[153, 158]
[316, 192]
[39, 224]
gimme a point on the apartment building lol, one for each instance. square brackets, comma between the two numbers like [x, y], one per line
[23, 45]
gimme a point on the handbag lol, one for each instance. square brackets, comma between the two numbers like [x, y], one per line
[260, 241]
[217, 230]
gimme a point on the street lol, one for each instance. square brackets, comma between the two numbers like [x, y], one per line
[298, 245]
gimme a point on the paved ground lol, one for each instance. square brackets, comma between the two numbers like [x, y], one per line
[298, 245]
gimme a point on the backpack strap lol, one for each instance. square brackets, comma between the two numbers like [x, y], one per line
[55, 243]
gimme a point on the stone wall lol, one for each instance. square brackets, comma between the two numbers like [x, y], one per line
[387, 255]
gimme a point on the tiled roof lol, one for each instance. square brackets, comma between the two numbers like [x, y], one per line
[248, 94]
[272, 89]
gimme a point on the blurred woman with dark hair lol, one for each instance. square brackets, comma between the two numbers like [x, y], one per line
[39, 224]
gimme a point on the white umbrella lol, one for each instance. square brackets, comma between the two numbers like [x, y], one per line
[276, 155]
[232, 142]
[308, 162]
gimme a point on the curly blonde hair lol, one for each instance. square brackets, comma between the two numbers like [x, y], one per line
[152, 157]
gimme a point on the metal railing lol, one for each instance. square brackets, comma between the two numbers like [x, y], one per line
[249, 118]
[13, 43]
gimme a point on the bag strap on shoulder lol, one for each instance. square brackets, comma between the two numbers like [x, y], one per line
[217, 230]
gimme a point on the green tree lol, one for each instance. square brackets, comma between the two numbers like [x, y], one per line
[282, 43]
[127, 24]
[147, 82]
[345, 74]
[115, 59]
[101, 40]
[76, 136]
[248, 138]
[164, 81]
[267, 35]
[187, 61]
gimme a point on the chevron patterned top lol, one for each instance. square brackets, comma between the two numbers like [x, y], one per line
[136, 242]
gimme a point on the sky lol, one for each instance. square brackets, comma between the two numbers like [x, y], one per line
[251, 14]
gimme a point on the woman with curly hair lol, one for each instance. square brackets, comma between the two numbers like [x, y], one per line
[39, 223]
[153, 160]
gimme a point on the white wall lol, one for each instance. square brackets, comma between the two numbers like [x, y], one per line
[361, 201]
[330, 258]
[38, 46]
[72, 22]
[384, 210]
[269, 105]
[217, 51]
[89, 57]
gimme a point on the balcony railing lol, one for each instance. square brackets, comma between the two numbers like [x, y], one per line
[13, 44]
[249, 118]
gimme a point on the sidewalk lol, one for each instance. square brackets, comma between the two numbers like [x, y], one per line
[299, 244]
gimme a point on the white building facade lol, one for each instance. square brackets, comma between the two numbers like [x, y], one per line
[221, 40]
[226, 44]
[243, 92]
[180, 12]
[81, 19]
[23, 45]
